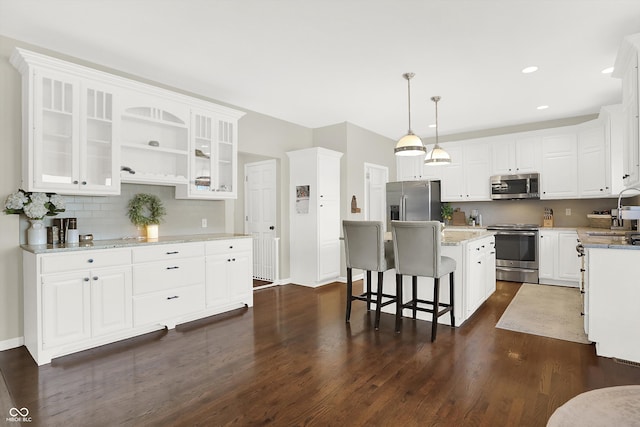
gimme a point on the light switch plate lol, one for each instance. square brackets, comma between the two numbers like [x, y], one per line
[567, 211]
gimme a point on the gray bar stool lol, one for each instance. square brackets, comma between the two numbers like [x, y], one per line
[366, 249]
[417, 248]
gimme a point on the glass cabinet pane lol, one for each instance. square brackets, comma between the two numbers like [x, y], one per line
[56, 144]
[203, 152]
[98, 153]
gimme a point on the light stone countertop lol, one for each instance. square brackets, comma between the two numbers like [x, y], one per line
[130, 242]
[611, 239]
[457, 236]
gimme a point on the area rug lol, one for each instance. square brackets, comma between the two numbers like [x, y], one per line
[611, 406]
[548, 311]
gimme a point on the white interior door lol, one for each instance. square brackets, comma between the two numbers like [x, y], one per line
[260, 216]
[375, 192]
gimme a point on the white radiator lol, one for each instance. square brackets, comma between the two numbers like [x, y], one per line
[266, 259]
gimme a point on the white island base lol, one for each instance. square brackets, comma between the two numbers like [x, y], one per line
[474, 278]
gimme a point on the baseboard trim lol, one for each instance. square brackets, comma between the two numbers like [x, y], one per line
[11, 343]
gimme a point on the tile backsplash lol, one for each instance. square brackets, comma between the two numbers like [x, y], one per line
[106, 216]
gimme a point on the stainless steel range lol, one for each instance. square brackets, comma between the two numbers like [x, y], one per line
[516, 252]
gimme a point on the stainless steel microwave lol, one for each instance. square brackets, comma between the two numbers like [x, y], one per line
[523, 186]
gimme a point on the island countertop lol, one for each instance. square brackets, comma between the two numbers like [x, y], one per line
[457, 236]
[604, 238]
[130, 242]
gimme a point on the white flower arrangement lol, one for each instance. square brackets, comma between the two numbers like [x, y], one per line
[34, 205]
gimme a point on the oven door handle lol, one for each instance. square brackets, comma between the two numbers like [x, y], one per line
[516, 233]
[524, 270]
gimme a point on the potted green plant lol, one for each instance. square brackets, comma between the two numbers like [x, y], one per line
[146, 210]
[447, 212]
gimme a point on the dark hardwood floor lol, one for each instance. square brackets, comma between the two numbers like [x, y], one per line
[292, 360]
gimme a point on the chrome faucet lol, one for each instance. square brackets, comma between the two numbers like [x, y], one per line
[620, 200]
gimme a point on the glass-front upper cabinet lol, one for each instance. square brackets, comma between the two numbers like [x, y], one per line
[70, 130]
[56, 133]
[213, 155]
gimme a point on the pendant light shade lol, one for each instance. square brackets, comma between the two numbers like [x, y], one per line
[437, 156]
[410, 144]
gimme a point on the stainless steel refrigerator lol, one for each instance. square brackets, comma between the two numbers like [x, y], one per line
[413, 201]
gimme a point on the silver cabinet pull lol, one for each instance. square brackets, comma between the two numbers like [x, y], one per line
[173, 268]
[173, 252]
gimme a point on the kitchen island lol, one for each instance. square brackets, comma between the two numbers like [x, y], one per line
[611, 293]
[79, 296]
[473, 249]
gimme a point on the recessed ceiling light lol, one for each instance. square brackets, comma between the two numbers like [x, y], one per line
[607, 70]
[529, 70]
[542, 107]
[432, 126]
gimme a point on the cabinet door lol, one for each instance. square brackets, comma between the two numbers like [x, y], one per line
[217, 289]
[630, 109]
[226, 157]
[568, 261]
[328, 178]
[503, 156]
[476, 280]
[559, 166]
[99, 155]
[201, 180]
[490, 268]
[409, 168]
[328, 239]
[527, 154]
[477, 170]
[56, 139]
[111, 300]
[240, 283]
[593, 170]
[66, 308]
[548, 242]
[453, 185]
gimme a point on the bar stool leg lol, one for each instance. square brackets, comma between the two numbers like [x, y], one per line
[436, 303]
[349, 293]
[398, 302]
[453, 318]
[368, 290]
[414, 295]
[378, 301]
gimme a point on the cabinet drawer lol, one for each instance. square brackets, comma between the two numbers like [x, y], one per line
[168, 304]
[166, 252]
[158, 276]
[56, 263]
[227, 247]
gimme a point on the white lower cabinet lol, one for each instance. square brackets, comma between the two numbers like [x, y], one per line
[559, 263]
[229, 277]
[76, 300]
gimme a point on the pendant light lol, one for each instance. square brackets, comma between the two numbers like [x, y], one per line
[437, 156]
[410, 144]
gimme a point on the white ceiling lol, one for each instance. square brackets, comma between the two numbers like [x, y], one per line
[321, 62]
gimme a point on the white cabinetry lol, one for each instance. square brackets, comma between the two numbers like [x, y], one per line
[81, 126]
[559, 165]
[613, 295]
[466, 178]
[86, 298]
[413, 168]
[481, 269]
[169, 282]
[72, 300]
[516, 154]
[229, 279]
[594, 163]
[68, 129]
[559, 263]
[314, 215]
[626, 68]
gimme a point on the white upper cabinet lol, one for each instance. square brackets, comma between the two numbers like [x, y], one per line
[559, 178]
[515, 154]
[594, 178]
[68, 129]
[413, 168]
[466, 178]
[626, 68]
[85, 130]
[212, 157]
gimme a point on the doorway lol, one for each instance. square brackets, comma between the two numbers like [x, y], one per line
[260, 220]
[375, 192]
